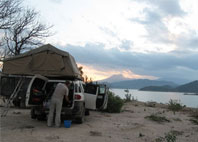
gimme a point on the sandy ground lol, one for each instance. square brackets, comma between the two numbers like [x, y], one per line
[127, 126]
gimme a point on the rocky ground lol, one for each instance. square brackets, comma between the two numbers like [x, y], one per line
[134, 123]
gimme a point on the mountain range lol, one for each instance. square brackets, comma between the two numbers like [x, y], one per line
[191, 87]
[119, 81]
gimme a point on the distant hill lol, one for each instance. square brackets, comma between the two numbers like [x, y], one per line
[139, 83]
[178, 81]
[114, 78]
[165, 88]
[191, 87]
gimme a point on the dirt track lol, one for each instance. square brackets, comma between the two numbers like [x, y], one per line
[130, 125]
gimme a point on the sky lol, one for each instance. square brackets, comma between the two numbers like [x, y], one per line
[152, 39]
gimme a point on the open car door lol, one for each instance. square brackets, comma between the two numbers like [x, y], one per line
[90, 93]
[35, 93]
[95, 96]
[102, 97]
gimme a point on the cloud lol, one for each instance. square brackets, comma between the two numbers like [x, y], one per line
[56, 1]
[157, 65]
[188, 41]
[166, 7]
[157, 30]
[108, 31]
[126, 45]
[155, 16]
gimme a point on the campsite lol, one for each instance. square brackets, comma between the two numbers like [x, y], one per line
[137, 121]
[34, 76]
[98, 71]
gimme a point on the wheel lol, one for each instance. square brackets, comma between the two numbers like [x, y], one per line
[33, 115]
[81, 119]
[22, 104]
[87, 112]
[41, 117]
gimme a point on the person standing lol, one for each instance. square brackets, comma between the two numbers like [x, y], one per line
[60, 92]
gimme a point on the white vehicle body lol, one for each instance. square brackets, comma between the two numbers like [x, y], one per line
[83, 97]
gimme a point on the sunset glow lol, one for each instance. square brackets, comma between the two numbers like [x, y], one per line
[96, 74]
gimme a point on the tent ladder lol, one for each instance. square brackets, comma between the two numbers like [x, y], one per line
[12, 97]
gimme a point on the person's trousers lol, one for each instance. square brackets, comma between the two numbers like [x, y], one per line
[55, 106]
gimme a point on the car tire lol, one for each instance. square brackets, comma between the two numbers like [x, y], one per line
[87, 112]
[81, 119]
[22, 104]
[41, 117]
[33, 115]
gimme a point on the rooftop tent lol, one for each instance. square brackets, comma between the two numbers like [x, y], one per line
[45, 60]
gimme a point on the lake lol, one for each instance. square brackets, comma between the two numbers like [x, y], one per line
[160, 97]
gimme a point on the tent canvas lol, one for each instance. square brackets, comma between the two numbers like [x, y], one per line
[45, 60]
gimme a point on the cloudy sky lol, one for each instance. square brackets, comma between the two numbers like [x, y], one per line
[155, 39]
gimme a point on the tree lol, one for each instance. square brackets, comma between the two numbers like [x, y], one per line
[81, 72]
[84, 77]
[25, 33]
[8, 10]
[22, 28]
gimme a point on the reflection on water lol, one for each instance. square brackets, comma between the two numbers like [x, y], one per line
[160, 97]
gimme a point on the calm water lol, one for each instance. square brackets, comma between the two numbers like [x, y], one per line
[160, 97]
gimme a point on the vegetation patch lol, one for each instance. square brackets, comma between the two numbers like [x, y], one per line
[194, 121]
[176, 133]
[115, 103]
[160, 139]
[194, 114]
[177, 119]
[141, 135]
[157, 118]
[95, 133]
[151, 104]
[174, 105]
[129, 97]
[170, 137]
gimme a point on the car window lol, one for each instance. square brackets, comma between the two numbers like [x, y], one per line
[79, 88]
[91, 89]
[76, 88]
[38, 84]
[102, 90]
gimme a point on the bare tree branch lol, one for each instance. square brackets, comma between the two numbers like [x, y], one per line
[21, 28]
[8, 9]
[26, 32]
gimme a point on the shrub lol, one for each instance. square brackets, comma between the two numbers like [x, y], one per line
[170, 137]
[156, 118]
[114, 104]
[174, 105]
[150, 104]
[195, 114]
[194, 121]
[127, 98]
